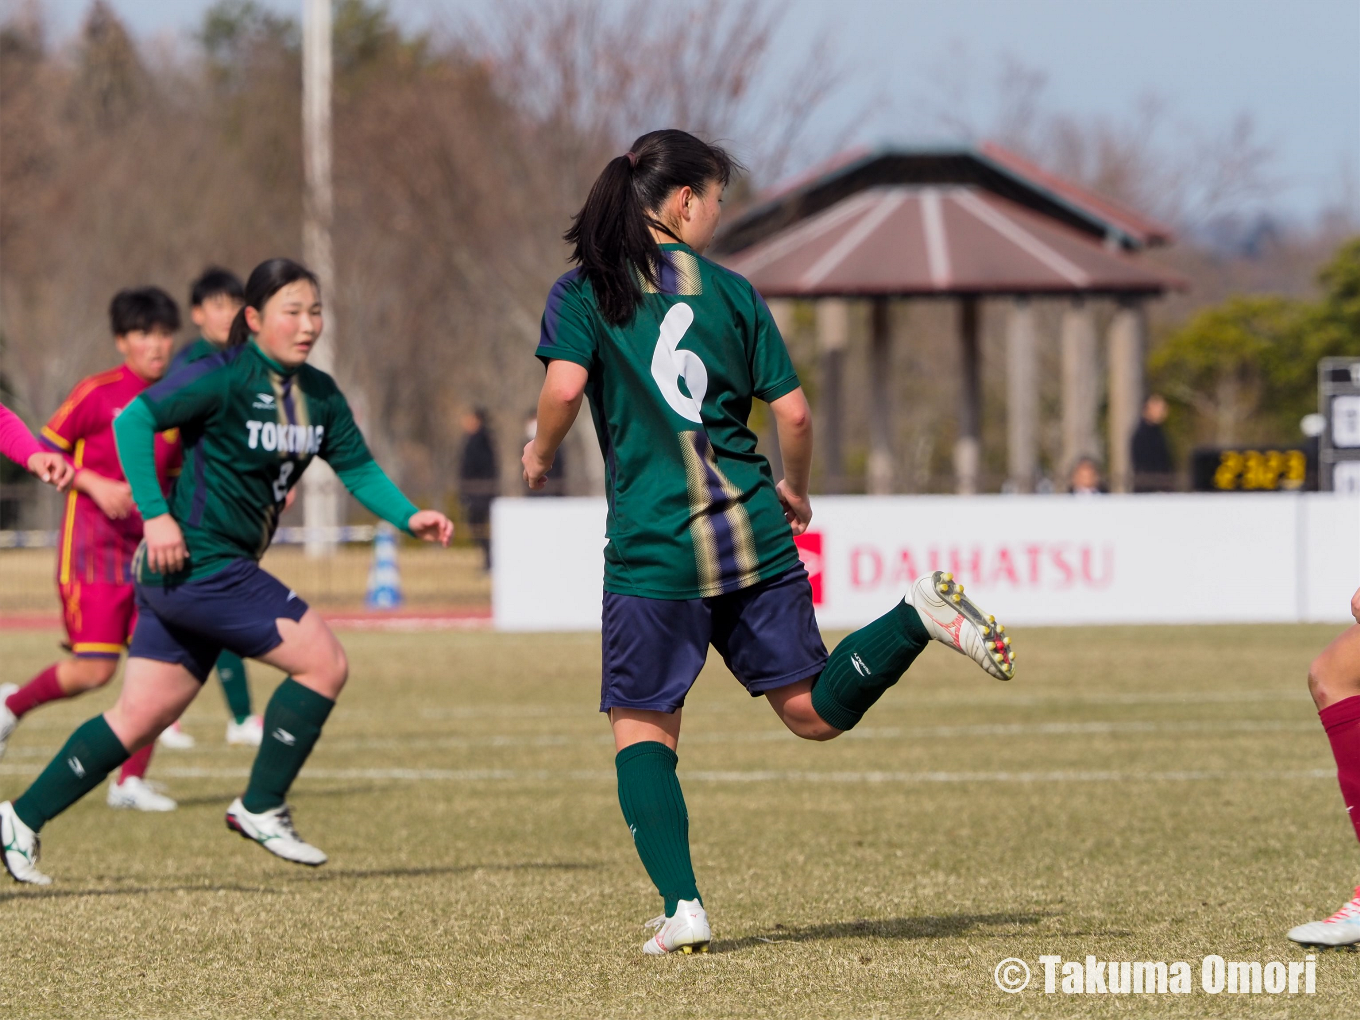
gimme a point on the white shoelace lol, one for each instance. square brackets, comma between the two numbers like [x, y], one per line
[656, 922]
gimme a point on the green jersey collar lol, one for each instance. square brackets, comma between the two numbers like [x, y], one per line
[270, 361]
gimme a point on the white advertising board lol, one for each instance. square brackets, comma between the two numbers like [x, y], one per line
[1039, 560]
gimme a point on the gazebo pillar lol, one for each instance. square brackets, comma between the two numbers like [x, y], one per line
[833, 336]
[968, 446]
[1022, 397]
[1127, 337]
[1079, 395]
[879, 474]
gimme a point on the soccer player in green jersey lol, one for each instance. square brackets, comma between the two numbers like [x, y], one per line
[671, 349]
[215, 298]
[251, 417]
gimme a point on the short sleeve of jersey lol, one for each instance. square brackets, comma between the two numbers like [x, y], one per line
[187, 396]
[342, 446]
[70, 422]
[772, 371]
[568, 329]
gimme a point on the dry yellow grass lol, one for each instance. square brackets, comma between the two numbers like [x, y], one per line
[1135, 794]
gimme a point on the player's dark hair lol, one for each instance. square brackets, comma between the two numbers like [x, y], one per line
[141, 309]
[266, 280]
[214, 281]
[612, 241]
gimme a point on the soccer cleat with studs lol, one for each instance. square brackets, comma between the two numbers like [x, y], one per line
[953, 619]
[21, 848]
[1341, 929]
[685, 932]
[274, 831]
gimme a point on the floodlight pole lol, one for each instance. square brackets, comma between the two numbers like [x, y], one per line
[320, 488]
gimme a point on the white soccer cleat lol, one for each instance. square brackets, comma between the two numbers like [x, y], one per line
[274, 831]
[1341, 929]
[247, 734]
[22, 847]
[952, 619]
[136, 793]
[175, 738]
[686, 931]
[8, 720]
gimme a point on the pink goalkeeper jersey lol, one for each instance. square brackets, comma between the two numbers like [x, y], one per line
[16, 442]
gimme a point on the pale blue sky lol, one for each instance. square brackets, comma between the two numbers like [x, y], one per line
[1292, 65]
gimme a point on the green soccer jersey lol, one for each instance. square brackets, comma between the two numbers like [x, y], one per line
[249, 429]
[198, 350]
[692, 505]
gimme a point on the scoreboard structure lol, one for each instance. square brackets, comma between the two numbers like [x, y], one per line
[1339, 444]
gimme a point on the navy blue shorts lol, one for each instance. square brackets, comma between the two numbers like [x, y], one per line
[653, 649]
[190, 623]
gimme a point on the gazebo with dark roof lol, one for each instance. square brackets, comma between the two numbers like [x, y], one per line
[965, 224]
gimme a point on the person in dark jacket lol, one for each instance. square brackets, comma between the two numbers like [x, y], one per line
[1152, 467]
[478, 476]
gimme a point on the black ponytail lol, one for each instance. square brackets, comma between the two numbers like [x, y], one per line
[266, 280]
[612, 235]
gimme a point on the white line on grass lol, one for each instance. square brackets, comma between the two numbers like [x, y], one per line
[755, 776]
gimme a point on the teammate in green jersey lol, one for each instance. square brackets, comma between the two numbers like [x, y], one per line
[252, 417]
[215, 298]
[670, 349]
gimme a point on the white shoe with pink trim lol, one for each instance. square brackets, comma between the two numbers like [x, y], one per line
[1341, 929]
[686, 931]
[954, 620]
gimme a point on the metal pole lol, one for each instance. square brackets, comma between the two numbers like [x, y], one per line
[320, 487]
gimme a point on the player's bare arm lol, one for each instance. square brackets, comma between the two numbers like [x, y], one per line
[113, 497]
[558, 404]
[793, 421]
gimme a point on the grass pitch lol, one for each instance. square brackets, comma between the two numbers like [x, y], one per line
[1135, 794]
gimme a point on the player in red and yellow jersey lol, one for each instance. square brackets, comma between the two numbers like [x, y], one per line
[101, 527]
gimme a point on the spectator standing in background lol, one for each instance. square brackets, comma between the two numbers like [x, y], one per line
[1151, 457]
[478, 477]
[556, 483]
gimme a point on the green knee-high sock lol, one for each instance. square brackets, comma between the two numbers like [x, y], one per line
[232, 672]
[654, 809]
[89, 754]
[866, 664]
[292, 722]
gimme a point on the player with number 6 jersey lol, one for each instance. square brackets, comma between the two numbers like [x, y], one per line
[671, 349]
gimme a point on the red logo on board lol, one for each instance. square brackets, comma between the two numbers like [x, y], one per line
[809, 545]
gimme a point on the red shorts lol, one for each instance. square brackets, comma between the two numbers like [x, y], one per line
[99, 617]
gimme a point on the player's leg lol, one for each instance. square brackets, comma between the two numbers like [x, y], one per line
[1334, 682]
[870, 660]
[244, 728]
[653, 649]
[96, 629]
[154, 694]
[130, 789]
[317, 669]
